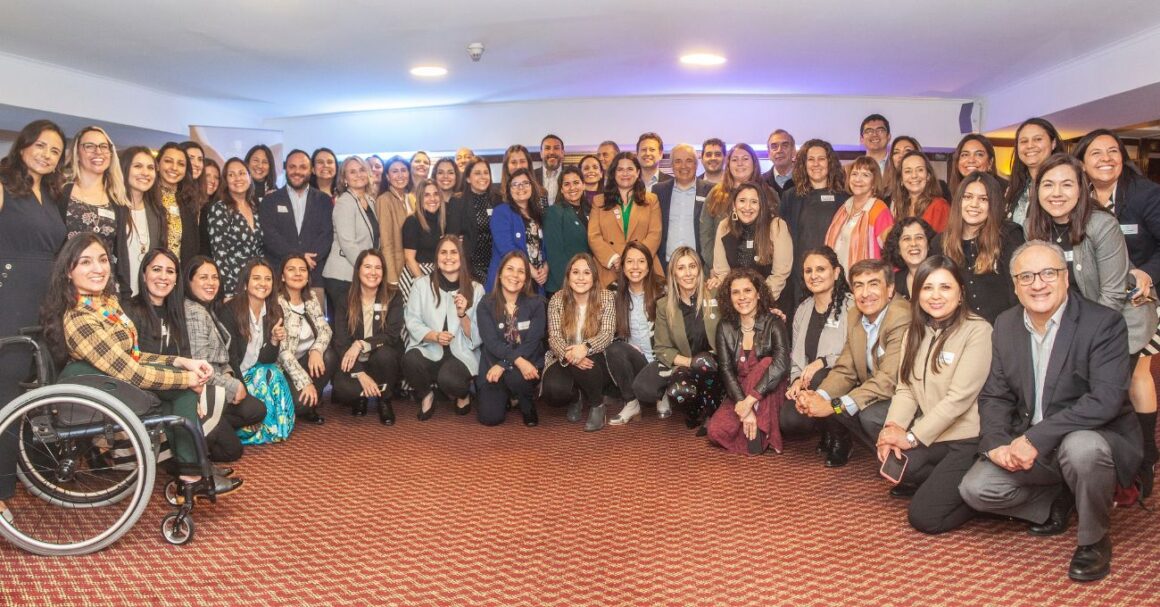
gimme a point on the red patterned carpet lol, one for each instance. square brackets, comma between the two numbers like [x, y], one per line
[451, 513]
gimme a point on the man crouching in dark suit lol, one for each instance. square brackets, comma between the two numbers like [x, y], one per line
[1057, 429]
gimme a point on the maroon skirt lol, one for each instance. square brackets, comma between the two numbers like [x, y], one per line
[725, 429]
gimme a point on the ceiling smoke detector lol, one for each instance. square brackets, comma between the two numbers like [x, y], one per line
[475, 51]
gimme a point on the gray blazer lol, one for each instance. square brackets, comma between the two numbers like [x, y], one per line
[830, 342]
[1100, 271]
[353, 234]
[206, 342]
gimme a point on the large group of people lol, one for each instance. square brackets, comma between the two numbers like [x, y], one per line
[934, 323]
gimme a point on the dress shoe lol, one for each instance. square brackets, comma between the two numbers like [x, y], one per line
[386, 412]
[1059, 517]
[201, 488]
[757, 444]
[223, 471]
[596, 418]
[429, 402]
[903, 490]
[575, 410]
[359, 408]
[824, 443]
[1092, 562]
[839, 453]
[664, 409]
[630, 411]
[531, 418]
[464, 410]
[311, 417]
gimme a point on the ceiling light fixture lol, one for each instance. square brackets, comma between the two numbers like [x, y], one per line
[702, 59]
[428, 71]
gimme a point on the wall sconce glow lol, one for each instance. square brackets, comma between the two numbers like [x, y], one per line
[702, 59]
[428, 71]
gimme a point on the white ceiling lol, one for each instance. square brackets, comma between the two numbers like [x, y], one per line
[297, 57]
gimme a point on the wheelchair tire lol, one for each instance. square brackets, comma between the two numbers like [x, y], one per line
[51, 521]
[177, 534]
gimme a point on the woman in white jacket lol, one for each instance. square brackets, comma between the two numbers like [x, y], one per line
[443, 342]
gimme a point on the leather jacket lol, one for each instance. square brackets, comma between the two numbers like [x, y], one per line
[770, 338]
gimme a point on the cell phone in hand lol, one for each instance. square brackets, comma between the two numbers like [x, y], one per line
[893, 467]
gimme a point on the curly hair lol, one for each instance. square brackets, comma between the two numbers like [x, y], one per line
[765, 299]
[841, 285]
[892, 251]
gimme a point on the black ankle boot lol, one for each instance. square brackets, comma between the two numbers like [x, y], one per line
[386, 412]
[359, 408]
[1147, 472]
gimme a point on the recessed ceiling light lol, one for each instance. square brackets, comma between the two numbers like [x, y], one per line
[428, 71]
[702, 59]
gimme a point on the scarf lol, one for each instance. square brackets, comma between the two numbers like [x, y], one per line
[863, 243]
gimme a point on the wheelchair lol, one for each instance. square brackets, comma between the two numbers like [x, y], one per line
[88, 449]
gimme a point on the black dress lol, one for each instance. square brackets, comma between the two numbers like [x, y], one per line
[30, 235]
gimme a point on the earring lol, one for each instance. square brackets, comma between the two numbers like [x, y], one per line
[733, 216]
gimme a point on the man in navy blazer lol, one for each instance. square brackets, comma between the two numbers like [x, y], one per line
[296, 219]
[1056, 429]
[684, 159]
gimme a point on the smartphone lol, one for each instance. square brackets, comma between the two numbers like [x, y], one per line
[893, 467]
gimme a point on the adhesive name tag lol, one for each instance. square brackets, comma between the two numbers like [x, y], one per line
[827, 198]
[699, 199]
[524, 325]
[1130, 229]
[489, 212]
[378, 307]
[106, 213]
[712, 302]
[1068, 256]
[283, 208]
[749, 244]
[946, 358]
[832, 324]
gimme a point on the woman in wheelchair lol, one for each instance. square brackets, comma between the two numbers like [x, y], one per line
[86, 328]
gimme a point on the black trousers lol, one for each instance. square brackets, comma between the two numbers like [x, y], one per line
[795, 424]
[223, 443]
[937, 470]
[336, 292]
[15, 366]
[382, 366]
[560, 382]
[494, 398]
[448, 375]
[330, 361]
[624, 363]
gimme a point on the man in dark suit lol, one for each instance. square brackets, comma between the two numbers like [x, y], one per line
[552, 160]
[782, 151]
[296, 219]
[650, 150]
[679, 223]
[1055, 421]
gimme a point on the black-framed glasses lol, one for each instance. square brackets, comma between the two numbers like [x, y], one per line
[1047, 275]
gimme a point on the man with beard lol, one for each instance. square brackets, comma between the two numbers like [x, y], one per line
[713, 159]
[552, 157]
[296, 219]
[782, 151]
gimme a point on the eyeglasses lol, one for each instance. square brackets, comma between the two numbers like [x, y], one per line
[103, 148]
[521, 185]
[880, 130]
[1048, 275]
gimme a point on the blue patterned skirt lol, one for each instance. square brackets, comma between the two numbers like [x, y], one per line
[267, 384]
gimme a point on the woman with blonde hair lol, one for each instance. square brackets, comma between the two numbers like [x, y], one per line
[95, 200]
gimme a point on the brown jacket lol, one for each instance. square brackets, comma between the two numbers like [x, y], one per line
[392, 213]
[606, 235]
[850, 375]
[944, 406]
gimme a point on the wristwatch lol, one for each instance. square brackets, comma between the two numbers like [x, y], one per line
[910, 438]
[836, 403]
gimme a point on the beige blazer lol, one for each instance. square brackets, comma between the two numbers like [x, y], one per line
[850, 375]
[782, 254]
[606, 235]
[392, 212]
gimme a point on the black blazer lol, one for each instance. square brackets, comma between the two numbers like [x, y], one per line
[664, 193]
[266, 356]
[770, 338]
[281, 237]
[496, 351]
[1138, 211]
[390, 336]
[771, 181]
[1086, 386]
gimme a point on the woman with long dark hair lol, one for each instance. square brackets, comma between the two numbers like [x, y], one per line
[891, 173]
[211, 178]
[263, 170]
[517, 225]
[420, 166]
[581, 324]
[89, 334]
[907, 244]
[158, 308]
[1119, 187]
[625, 212]
[741, 166]
[442, 336]
[1035, 141]
[753, 236]
[974, 153]
[636, 293]
[592, 175]
[566, 225]
[934, 415]
[254, 322]
[305, 355]
[179, 200]
[235, 234]
[31, 232]
[324, 172]
[396, 202]
[917, 193]
[981, 241]
[753, 358]
[446, 175]
[512, 325]
[210, 340]
[370, 340]
[145, 217]
[474, 208]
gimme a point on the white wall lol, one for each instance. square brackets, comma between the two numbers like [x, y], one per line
[587, 122]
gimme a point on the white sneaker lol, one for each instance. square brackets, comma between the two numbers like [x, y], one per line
[664, 409]
[631, 409]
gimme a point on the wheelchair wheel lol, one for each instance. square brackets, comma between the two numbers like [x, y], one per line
[81, 496]
[177, 533]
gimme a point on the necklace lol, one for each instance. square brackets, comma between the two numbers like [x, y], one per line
[749, 329]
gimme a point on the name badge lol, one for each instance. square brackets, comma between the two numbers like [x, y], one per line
[749, 244]
[106, 213]
[523, 325]
[711, 302]
[946, 358]
[833, 324]
[283, 208]
[489, 212]
[378, 307]
[827, 198]
[1068, 256]
[699, 199]
[1130, 229]
[164, 330]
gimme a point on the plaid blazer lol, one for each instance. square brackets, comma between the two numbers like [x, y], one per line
[292, 322]
[107, 347]
[558, 342]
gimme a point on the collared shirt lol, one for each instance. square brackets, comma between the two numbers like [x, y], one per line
[651, 181]
[882, 165]
[781, 179]
[550, 182]
[298, 205]
[1041, 346]
[250, 358]
[681, 228]
[872, 329]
